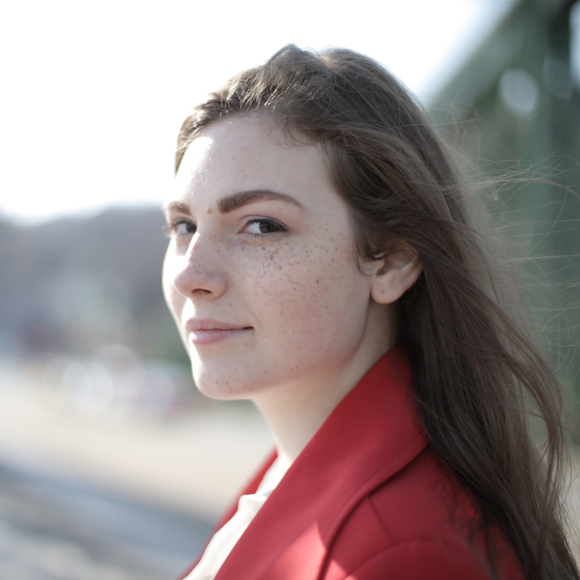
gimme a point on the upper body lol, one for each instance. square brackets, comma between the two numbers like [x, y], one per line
[317, 222]
[366, 499]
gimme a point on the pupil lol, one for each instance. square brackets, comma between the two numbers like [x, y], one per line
[266, 228]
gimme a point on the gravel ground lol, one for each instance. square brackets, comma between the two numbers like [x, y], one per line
[55, 528]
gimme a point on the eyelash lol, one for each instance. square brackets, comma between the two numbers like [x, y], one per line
[281, 228]
[170, 230]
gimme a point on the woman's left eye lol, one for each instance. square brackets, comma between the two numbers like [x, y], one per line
[262, 226]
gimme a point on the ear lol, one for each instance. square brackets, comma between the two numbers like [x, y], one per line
[395, 274]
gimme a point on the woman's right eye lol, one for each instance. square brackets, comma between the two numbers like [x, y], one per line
[180, 228]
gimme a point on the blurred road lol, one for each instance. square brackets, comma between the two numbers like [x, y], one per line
[193, 462]
[53, 528]
[111, 495]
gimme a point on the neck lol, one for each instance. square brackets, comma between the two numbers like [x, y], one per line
[296, 411]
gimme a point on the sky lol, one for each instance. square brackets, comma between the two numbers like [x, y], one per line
[94, 92]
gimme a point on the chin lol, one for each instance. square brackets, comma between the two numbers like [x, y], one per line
[220, 385]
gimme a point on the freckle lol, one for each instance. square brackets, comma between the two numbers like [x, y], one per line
[318, 281]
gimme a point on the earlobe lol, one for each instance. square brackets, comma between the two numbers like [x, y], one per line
[395, 274]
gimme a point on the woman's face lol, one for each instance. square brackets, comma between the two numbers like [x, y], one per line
[261, 273]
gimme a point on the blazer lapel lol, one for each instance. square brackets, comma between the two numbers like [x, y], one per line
[371, 435]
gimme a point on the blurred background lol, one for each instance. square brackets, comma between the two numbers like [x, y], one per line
[112, 466]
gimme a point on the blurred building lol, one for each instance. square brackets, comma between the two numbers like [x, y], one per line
[515, 106]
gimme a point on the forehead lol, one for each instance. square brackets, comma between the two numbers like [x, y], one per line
[249, 152]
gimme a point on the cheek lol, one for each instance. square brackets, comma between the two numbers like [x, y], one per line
[312, 295]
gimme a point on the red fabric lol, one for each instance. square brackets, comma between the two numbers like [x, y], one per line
[366, 500]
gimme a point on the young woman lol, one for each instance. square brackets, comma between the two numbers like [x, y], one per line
[322, 263]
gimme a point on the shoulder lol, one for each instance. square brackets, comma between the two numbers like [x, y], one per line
[417, 525]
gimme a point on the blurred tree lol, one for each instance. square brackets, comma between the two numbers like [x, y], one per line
[519, 96]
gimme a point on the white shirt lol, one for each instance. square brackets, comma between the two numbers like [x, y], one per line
[226, 538]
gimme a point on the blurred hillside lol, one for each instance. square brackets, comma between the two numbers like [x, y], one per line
[75, 285]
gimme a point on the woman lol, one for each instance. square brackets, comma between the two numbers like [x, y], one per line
[322, 263]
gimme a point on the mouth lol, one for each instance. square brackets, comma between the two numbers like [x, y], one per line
[207, 331]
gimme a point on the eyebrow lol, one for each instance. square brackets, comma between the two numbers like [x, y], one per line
[238, 200]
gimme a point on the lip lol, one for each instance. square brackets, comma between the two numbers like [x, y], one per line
[208, 331]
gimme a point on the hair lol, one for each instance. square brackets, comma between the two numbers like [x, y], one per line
[478, 376]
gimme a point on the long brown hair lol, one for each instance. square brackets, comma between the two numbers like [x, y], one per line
[477, 372]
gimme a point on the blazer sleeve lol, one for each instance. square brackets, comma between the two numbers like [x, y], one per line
[420, 560]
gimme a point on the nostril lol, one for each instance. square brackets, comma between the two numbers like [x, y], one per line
[200, 291]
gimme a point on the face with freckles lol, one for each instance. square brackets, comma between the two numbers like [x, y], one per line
[261, 273]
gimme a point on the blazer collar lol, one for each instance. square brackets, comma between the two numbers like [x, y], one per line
[371, 435]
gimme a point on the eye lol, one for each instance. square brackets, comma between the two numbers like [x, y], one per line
[264, 226]
[180, 228]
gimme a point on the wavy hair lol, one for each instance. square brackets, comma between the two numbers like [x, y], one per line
[477, 372]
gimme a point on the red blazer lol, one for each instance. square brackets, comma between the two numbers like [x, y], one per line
[366, 499]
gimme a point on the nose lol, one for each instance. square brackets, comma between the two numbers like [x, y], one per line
[198, 273]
